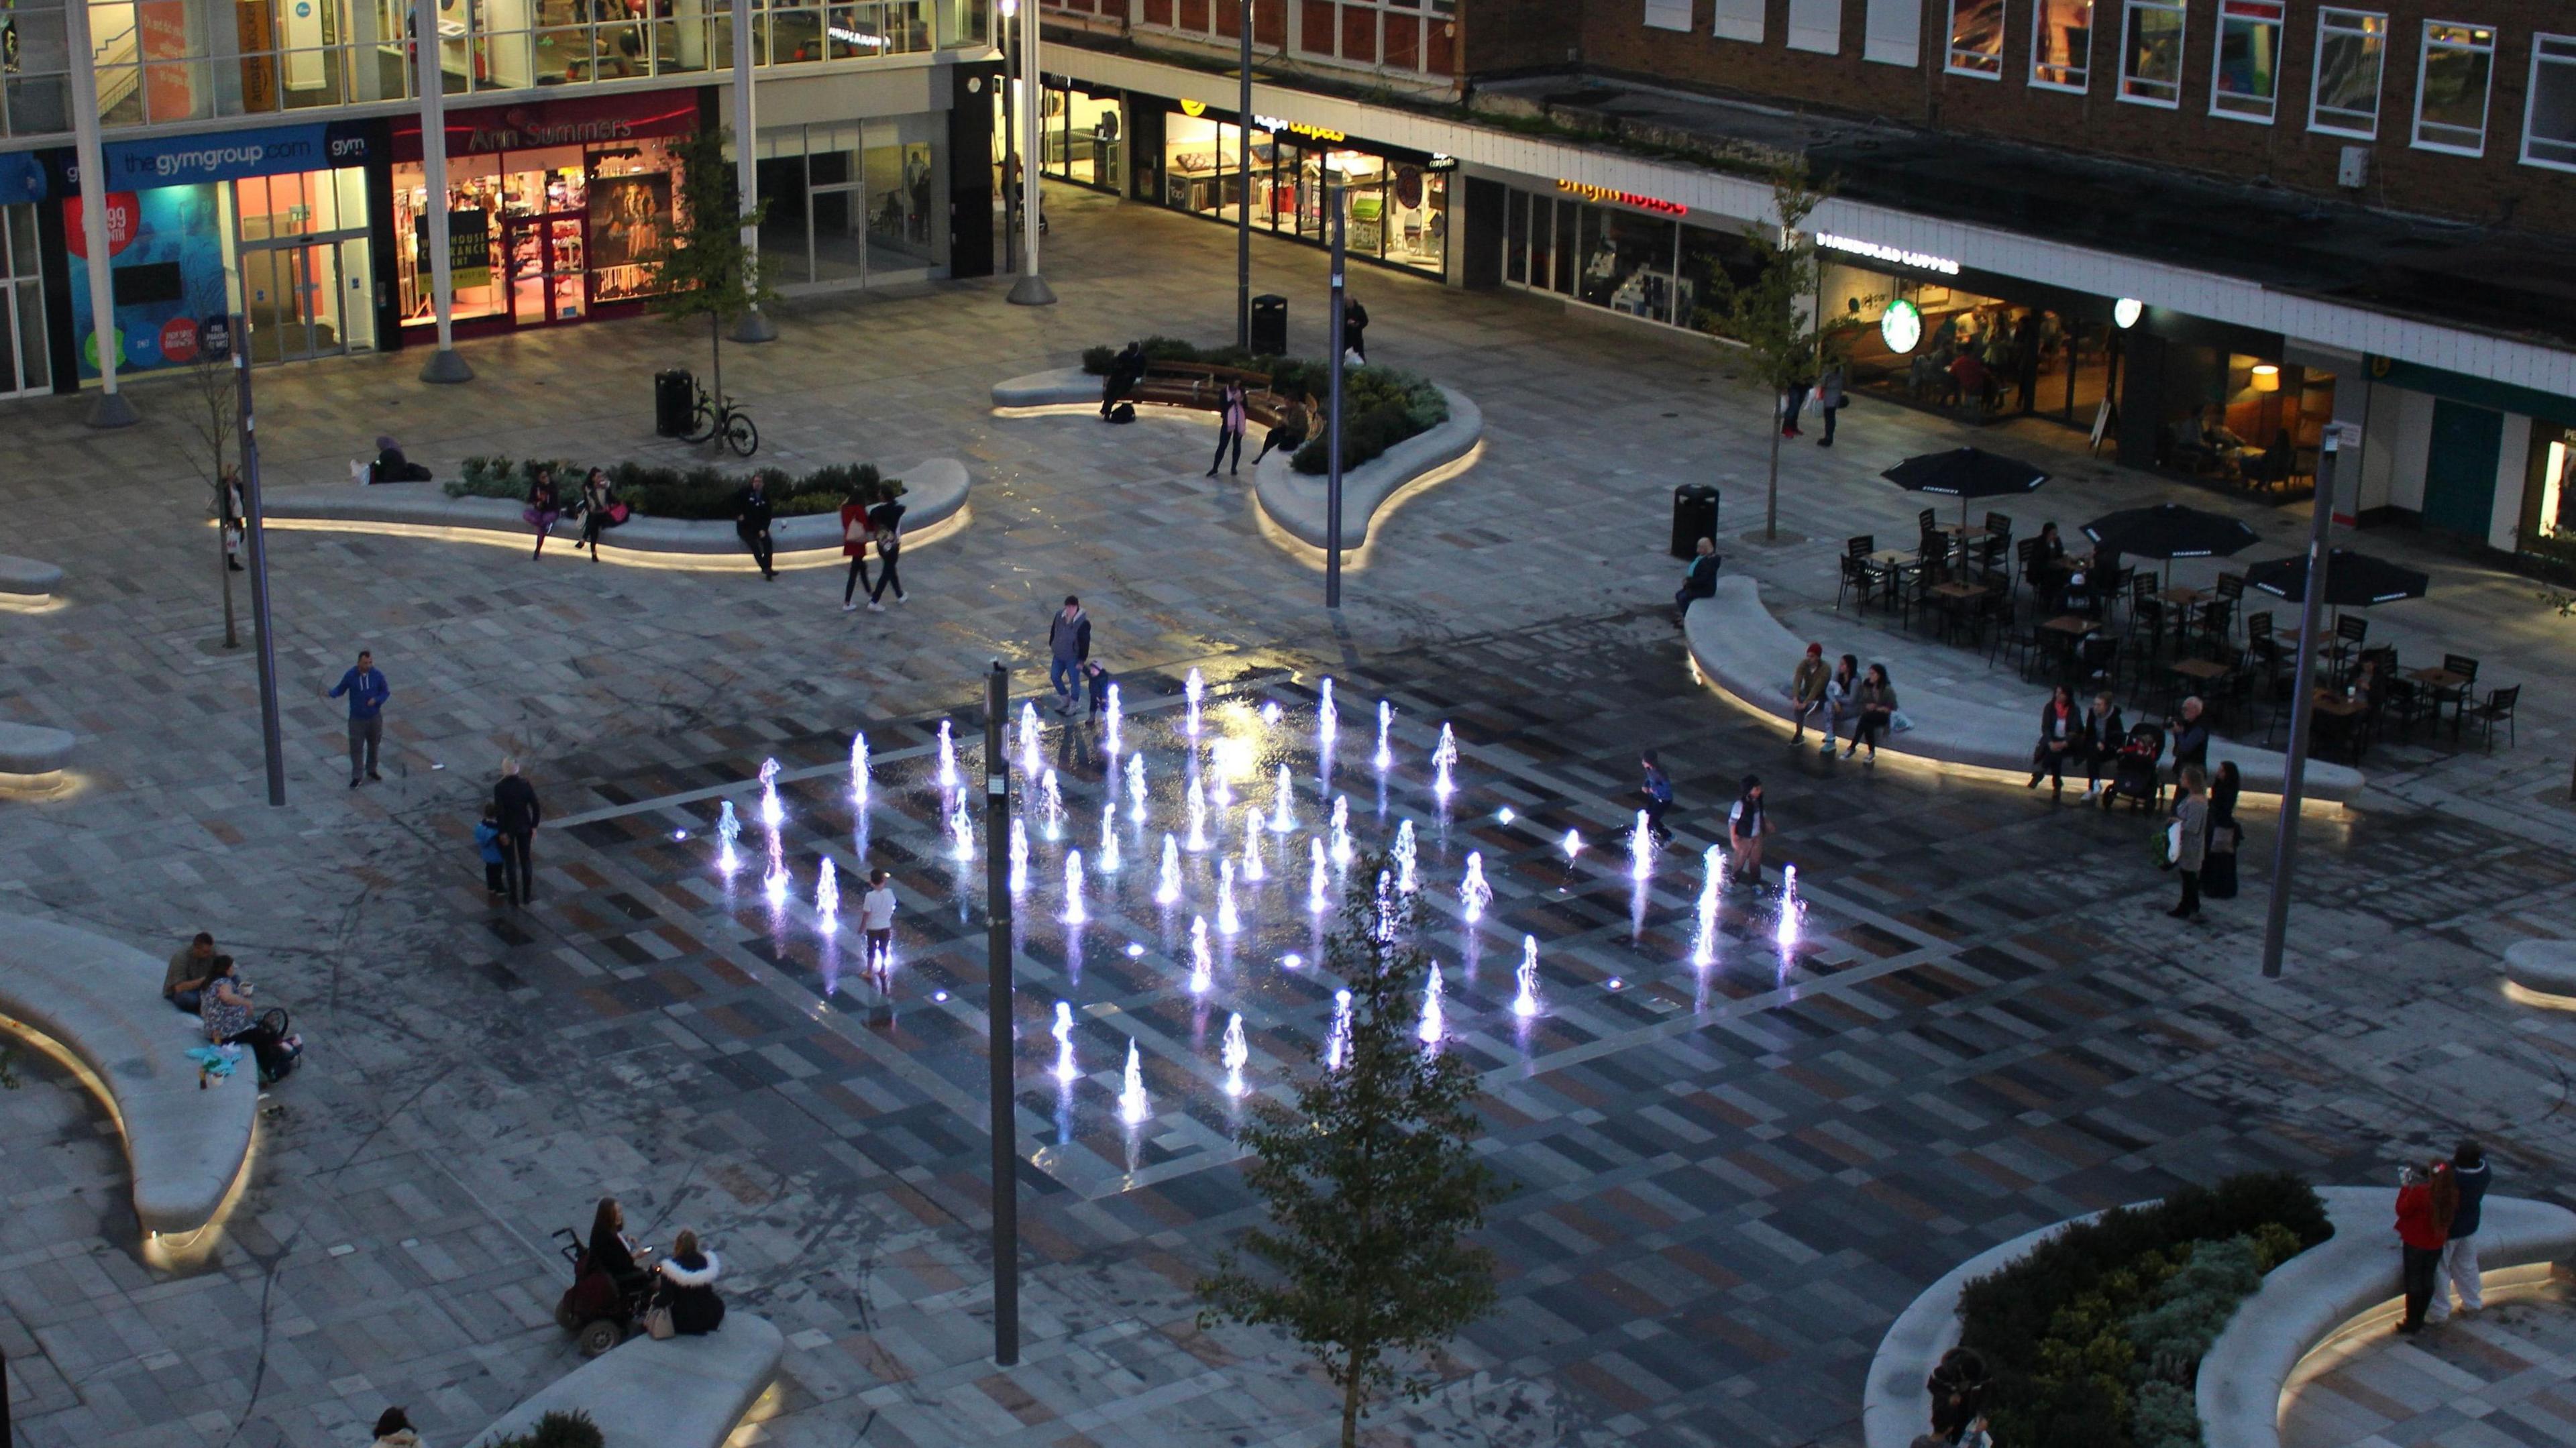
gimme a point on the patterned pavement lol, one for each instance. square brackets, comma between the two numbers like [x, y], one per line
[1730, 1178]
[2497, 1379]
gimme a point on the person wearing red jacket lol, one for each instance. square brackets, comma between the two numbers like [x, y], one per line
[2426, 1198]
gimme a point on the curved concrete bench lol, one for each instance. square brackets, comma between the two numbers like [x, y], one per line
[1746, 652]
[1293, 501]
[101, 1001]
[28, 577]
[2545, 966]
[35, 754]
[681, 1392]
[2304, 1300]
[934, 491]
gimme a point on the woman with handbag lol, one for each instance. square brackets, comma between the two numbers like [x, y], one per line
[543, 507]
[600, 510]
[855, 529]
[687, 1291]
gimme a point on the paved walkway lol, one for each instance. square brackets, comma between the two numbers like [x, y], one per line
[1732, 1178]
[2501, 1377]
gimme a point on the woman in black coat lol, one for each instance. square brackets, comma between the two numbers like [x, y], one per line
[610, 1252]
[2104, 731]
[688, 1286]
[2061, 740]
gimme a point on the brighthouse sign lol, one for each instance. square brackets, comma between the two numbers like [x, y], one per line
[231, 155]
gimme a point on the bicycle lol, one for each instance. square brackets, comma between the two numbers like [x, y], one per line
[723, 419]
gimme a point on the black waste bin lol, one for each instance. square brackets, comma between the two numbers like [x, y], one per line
[1270, 326]
[675, 402]
[1694, 517]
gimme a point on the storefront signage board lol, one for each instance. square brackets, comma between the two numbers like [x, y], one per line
[593, 120]
[1892, 255]
[1591, 192]
[220, 156]
[1901, 326]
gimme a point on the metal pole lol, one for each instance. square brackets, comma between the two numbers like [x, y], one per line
[1031, 289]
[1333, 410]
[262, 635]
[427, 46]
[997, 1019]
[754, 325]
[109, 408]
[1243, 221]
[1010, 140]
[2285, 844]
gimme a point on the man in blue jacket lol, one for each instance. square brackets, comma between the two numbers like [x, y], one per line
[367, 691]
[2458, 1266]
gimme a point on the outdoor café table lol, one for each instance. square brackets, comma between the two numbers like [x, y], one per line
[2183, 597]
[2201, 673]
[1953, 594]
[2346, 714]
[2062, 634]
[2445, 684]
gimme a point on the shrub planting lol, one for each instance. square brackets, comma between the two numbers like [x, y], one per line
[701, 493]
[1381, 406]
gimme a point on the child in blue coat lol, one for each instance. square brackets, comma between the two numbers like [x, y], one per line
[487, 843]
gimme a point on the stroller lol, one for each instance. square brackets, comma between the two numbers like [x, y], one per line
[2133, 769]
[598, 1309]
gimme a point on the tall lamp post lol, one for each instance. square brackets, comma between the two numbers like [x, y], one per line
[427, 45]
[1031, 289]
[1243, 217]
[1010, 139]
[1333, 406]
[255, 533]
[754, 324]
[997, 1019]
[2294, 769]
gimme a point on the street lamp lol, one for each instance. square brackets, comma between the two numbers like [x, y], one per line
[1031, 289]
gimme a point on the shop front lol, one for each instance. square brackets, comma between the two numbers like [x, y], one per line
[1395, 203]
[1621, 252]
[1082, 135]
[554, 210]
[270, 225]
[2220, 404]
[26, 363]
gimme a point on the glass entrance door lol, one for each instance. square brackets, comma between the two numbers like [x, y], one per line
[291, 297]
[547, 276]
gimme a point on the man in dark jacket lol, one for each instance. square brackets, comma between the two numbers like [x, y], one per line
[1068, 645]
[2459, 1264]
[1700, 582]
[515, 801]
[1355, 327]
[751, 511]
[2190, 737]
[1125, 372]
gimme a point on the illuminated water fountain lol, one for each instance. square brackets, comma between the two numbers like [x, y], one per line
[1328, 720]
[1110, 743]
[771, 814]
[827, 899]
[1227, 921]
[947, 756]
[1197, 800]
[1792, 909]
[728, 830]
[1236, 1053]
[1191, 689]
[1712, 886]
[1073, 914]
[1283, 803]
[1109, 860]
[961, 831]
[1342, 847]
[1433, 1026]
[1252, 865]
[1168, 892]
[1030, 758]
[1525, 999]
[1384, 759]
[1337, 1038]
[1473, 893]
[1444, 757]
[1202, 960]
[1406, 855]
[1641, 848]
[1065, 1070]
[1136, 788]
[1019, 856]
[1133, 1107]
[1319, 892]
[1050, 806]
[859, 768]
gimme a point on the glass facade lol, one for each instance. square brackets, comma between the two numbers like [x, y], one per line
[24, 365]
[1618, 258]
[853, 202]
[1082, 136]
[1395, 206]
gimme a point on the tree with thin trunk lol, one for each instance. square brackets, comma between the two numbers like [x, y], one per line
[1370, 1178]
[703, 268]
[214, 431]
[1787, 344]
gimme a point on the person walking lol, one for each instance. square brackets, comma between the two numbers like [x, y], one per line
[544, 507]
[515, 808]
[885, 529]
[488, 846]
[600, 510]
[876, 924]
[1068, 644]
[2218, 869]
[1877, 700]
[1829, 400]
[2061, 737]
[367, 691]
[2191, 846]
[1746, 824]
[1230, 417]
[1100, 683]
[1355, 327]
[751, 513]
[1700, 582]
[856, 533]
[1658, 790]
[1807, 692]
[2427, 1199]
[2459, 1263]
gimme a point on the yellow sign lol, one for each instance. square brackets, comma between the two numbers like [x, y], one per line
[1193, 108]
[1319, 133]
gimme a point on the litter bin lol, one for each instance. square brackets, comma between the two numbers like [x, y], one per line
[675, 401]
[1270, 326]
[1694, 517]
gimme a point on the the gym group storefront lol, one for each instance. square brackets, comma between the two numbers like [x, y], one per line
[553, 209]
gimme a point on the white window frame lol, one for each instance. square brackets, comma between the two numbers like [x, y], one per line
[2565, 45]
[1950, 51]
[1892, 32]
[1816, 26]
[2280, 23]
[1668, 15]
[2129, 11]
[2423, 65]
[1740, 20]
[2328, 18]
[2083, 67]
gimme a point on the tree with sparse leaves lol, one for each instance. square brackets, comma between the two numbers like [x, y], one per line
[1787, 344]
[214, 428]
[1370, 1177]
[704, 268]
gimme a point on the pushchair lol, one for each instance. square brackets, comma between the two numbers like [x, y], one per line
[598, 1309]
[2133, 769]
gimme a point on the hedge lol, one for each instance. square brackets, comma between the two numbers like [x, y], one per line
[2093, 1339]
[1381, 406]
[701, 493]
[558, 1430]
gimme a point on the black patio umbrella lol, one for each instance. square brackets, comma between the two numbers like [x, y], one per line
[2353, 580]
[2169, 531]
[1964, 473]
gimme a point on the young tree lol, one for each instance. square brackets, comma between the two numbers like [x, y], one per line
[214, 428]
[1369, 1177]
[703, 268]
[1787, 344]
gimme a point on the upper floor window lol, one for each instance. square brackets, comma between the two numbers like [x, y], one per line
[1816, 25]
[2451, 85]
[2151, 41]
[2061, 43]
[2549, 118]
[1740, 20]
[1392, 34]
[2352, 50]
[2246, 81]
[1668, 14]
[1977, 38]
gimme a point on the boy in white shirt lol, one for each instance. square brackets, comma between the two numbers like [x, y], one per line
[876, 919]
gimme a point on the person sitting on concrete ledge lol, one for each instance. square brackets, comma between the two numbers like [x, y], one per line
[190, 964]
[392, 467]
[688, 1286]
[1700, 582]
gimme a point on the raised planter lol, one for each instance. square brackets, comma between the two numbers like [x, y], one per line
[1292, 501]
[28, 578]
[934, 493]
[680, 1392]
[2543, 967]
[33, 756]
[1748, 655]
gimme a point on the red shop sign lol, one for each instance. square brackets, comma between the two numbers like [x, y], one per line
[596, 120]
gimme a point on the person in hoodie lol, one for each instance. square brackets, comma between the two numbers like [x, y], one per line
[393, 1430]
[688, 1286]
[2459, 1265]
[1068, 646]
[2427, 1198]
